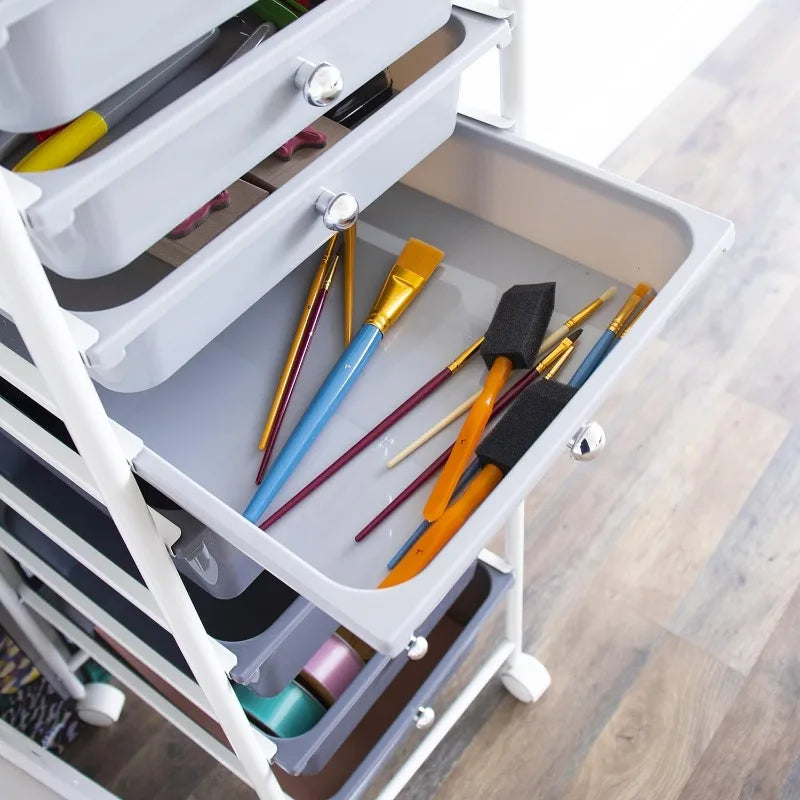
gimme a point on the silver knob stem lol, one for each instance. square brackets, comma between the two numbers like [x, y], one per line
[321, 84]
[417, 648]
[588, 442]
[339, 210]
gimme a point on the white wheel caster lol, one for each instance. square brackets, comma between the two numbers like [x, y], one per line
[101, 705]
[526, 679]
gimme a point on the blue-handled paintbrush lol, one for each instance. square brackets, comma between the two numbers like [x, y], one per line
[408, 275]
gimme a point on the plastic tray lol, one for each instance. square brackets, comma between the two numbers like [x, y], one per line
[59, 57]
[541, 217]
[98, 214]
[151, 319]
[271, 631]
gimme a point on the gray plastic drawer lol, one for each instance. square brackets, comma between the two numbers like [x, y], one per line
[59, 57]
[175, 313]
[510, 213]
[98, 214]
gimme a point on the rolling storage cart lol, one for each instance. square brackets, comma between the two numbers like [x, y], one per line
[130, 393]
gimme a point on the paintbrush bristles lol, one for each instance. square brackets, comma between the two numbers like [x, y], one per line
[608, 294]
[420, 257]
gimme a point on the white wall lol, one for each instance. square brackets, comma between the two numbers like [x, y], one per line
[597, 68]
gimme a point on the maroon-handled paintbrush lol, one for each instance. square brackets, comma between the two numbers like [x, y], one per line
[305, 343]
[503, 402]
[404, 408]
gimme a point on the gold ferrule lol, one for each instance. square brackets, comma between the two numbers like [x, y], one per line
[583, 314]
[459, 361]
[330, 271]
[547, 362]
[399, 289]
[560, 363]
[627, 308]
[648, 298]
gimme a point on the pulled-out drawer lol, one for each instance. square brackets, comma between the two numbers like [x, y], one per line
[209, 126]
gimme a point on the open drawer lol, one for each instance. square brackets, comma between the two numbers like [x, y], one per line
[172, 154]
[528, 215]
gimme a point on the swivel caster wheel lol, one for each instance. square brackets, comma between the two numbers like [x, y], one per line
[101, 705]
[526, 679]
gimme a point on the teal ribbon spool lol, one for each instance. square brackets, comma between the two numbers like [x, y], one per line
[291, 713]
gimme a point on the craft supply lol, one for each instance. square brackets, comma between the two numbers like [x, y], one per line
[578, 319]
[292, 712]
[305, 343]
[369, 97]
[281, 14]
[603, 344]
[316, 285]
[307, 138]
[365, 652]
[217, 203]
[512, 341]
[466, 477]
[501, 404]
[260, 34]
[331, 670]
[405, 280]
[349, 281]
[67, 144]
[640, 309]
[496, 456]
[404, 408]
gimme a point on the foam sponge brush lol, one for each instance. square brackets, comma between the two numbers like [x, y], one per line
[497, 455]
[512, 341]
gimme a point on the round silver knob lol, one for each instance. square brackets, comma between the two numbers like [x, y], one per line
[339, 210]
[424, 717]
[417, 648]
[588, 442]
[321, 84]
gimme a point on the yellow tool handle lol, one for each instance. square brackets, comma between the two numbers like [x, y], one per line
[467, 439]
[316, 286]
[442, 531]
[349, 281]
[66, 145]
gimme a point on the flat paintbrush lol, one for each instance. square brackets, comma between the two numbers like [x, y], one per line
[502, 403]
[603, 344]
[551, 339]
[405, 280]
[466, 477]
[305, 343]
[316, 285]
[368, 438]
[640, 309]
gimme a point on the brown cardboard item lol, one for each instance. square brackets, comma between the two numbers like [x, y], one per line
[243, 196]
[272, 173]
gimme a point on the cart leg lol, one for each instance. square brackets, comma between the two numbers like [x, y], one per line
[523, 676]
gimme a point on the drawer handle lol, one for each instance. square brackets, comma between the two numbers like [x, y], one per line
[424, 717]
[339, 210]
[417, 648]
[321, 83]
[588, 442]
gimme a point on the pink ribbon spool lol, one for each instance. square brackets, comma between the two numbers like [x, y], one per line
[331, 670]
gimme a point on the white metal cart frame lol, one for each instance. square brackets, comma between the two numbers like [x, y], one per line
[47, 335]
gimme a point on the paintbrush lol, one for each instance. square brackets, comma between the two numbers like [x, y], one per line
[368, 438]
[496, 456]
[466, 477]
[280, 392]
[501, 404]
[405, 280]
[512, 341]
[578, 319]
[640, 309]
[349, 281]
[603, 344]
[305, 343]
[551, 339]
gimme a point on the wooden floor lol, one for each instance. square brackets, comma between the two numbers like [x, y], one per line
[664, 582]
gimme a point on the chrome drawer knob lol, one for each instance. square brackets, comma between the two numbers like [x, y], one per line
[321, 83]
[417, 648]
[424, 717]
[339, 210]
[588, 442]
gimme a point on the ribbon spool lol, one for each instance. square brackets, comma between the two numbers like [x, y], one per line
[331, 670]
[364, 651]
[292, 712]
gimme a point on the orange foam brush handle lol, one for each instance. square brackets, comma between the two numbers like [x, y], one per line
[442, 531]
[467, 440]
